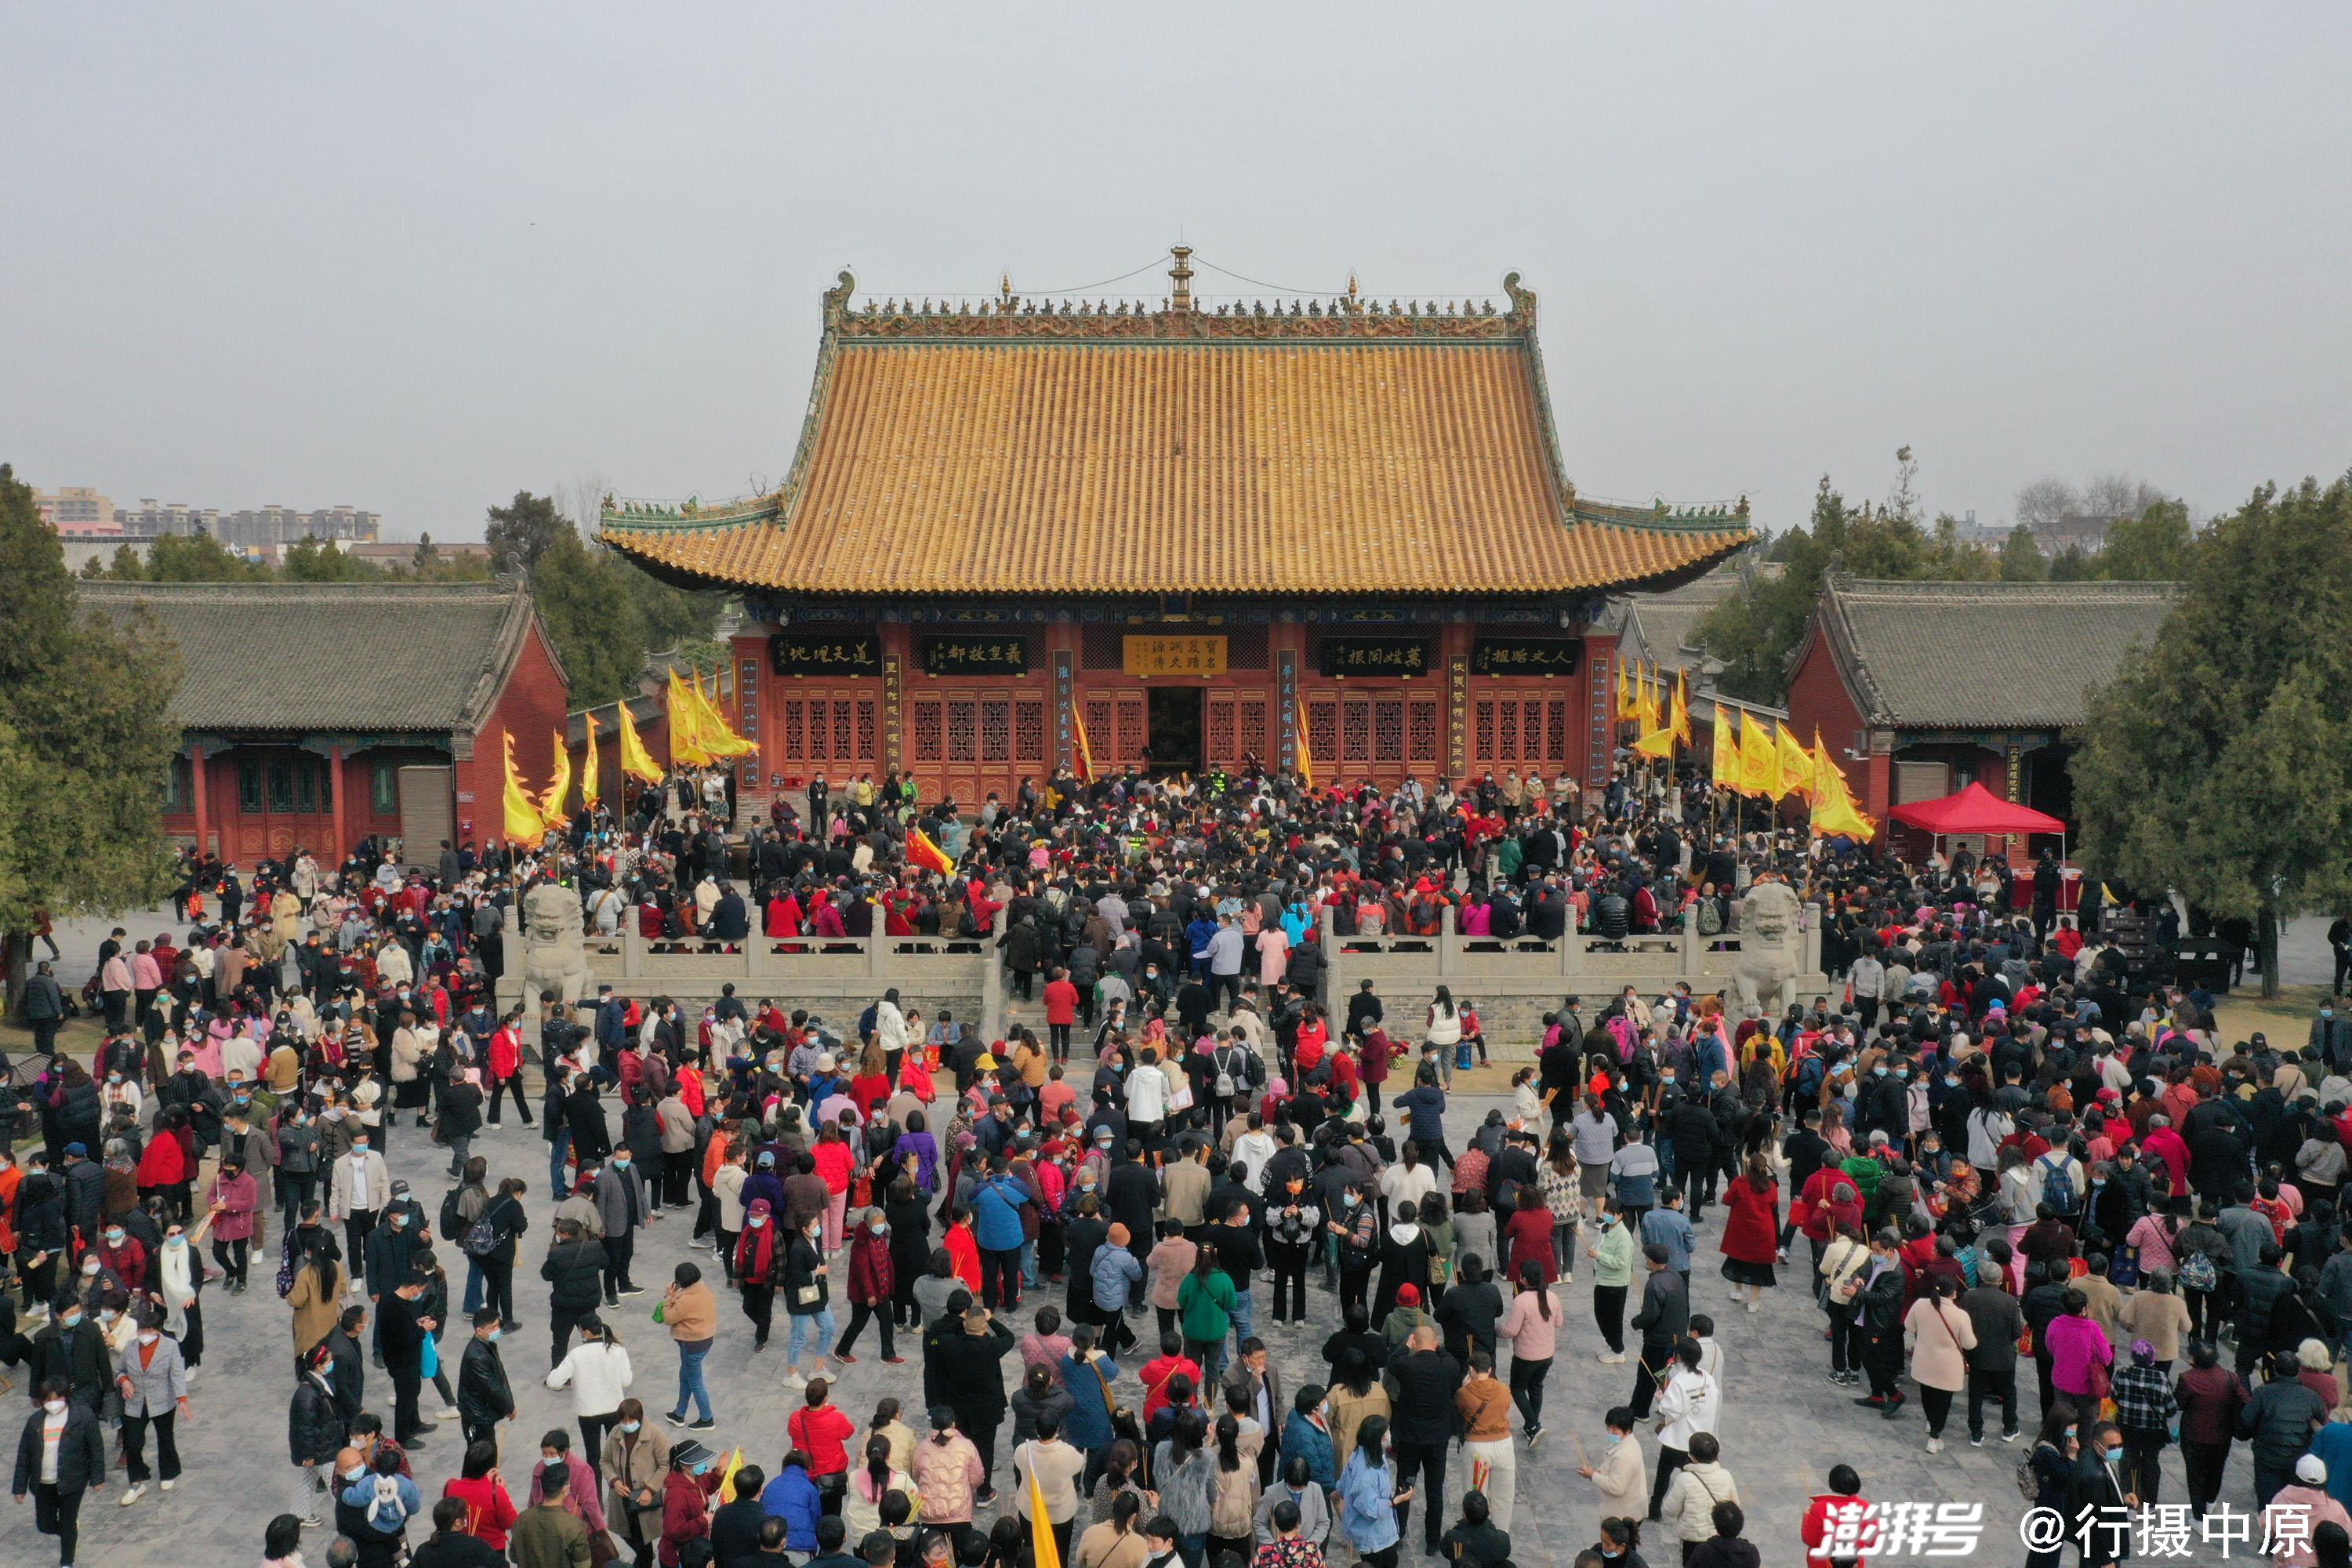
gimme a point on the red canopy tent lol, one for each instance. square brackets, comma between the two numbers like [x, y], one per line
[1976, 809]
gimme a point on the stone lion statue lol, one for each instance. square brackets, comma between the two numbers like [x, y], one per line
[554, 958]
[1771, 946]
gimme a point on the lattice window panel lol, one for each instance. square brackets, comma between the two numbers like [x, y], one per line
[1356, 731]
[1422, 737]
[866, 748]
[963, 730]
[1253, 742]
[1101, 739]
[995, 730]
[1507, 737]
[820, 726]
[1102, 647]
[1029, 731]
[1483, 729]
[1388, 731]
[841, 730]
[1131, 728]
[1323, 731]
[796, 730]
[1556, 731]
[1220, 732]
[929, 744]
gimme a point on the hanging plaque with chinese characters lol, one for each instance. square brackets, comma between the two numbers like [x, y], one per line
[1006, 653]
[1174, 655]
[825, 653]
[1524, 656]
[1375, 655]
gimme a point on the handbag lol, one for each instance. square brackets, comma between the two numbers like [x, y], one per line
[807, 1295]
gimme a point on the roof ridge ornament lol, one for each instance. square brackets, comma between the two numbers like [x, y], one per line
[1180, 275]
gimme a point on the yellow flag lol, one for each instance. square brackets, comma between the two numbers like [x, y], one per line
[1306, 761]
[522, 820]
[727, 1475]
[636, 763]
[1833, 808]
[550, 805]
[590, 783]
[1080, 752]
[1647, 715]
[1759, 766]
[1043, 1552]
[1796, 764]
[1678, 716]
[1723, 768]
[1625, 709]
[716, 735]
[1658, 743]
[685, 749]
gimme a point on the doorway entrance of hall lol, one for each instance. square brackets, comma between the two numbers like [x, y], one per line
[1173, 713]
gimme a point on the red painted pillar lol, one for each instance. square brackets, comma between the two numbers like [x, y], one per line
[335, 783]
[199, 764]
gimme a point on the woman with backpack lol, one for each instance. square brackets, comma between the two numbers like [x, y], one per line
[490, 1246]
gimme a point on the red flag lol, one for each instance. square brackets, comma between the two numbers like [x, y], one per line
[921, 851]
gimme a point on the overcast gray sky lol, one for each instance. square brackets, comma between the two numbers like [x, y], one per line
[413, 257]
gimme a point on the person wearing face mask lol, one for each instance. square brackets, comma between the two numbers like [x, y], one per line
[374, 1504]
[314, 1431]
[120, 1253]
[60, 1456]
[153, 1382]
[359, 1188]
[72, 1350]
[873, 1284]
[485, 1397]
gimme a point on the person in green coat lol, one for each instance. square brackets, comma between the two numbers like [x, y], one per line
[1612, 1276]
[1204, 1308]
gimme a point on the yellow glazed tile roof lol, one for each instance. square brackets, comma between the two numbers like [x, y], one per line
[1019, 453]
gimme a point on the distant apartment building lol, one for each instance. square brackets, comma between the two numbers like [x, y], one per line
[78, 512]
[254, 527]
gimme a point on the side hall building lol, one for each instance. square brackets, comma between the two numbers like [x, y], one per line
[1924, 688]
[1172, 539]
[320, 713]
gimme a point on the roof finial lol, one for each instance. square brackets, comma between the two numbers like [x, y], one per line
[1352, 293]
[1181, 276]
[1005, 287]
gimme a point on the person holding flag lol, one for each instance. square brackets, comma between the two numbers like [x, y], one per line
[1048, 1469]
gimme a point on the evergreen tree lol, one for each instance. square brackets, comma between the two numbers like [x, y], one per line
[84, 742]
[2021, 558]
[2215, 761]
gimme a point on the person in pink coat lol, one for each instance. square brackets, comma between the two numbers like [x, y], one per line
[2077, 1344]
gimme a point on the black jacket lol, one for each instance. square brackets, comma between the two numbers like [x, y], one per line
[82, 1457]
[459, 1550]
[584, 1114]
[1424, 1400]
[575, 1270]
[403, 1334]
[969, 1380]
[315, 1424]
[484, 1395]
[78, 1358]
[1664, 1317]
[350, 1373]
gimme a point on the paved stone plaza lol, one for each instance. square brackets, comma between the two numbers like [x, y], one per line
[1783, 1426]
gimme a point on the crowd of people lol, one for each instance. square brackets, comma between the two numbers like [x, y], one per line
[1995, 1144]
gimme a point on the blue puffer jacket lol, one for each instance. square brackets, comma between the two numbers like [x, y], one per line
[996, 1214]
[792, 1497]
[1303, 1438]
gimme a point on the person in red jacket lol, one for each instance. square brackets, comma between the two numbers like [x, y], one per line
[1752, 1231]
[963, 1252]
[506, 1067]
[489, 1511]
[820, 1431]
[1838, 1513]
[1061, 1013]
[873, 1278]
[685, 1499]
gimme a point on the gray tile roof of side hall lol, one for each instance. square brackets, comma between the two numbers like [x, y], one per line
[1959, 656]
[426, 658]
